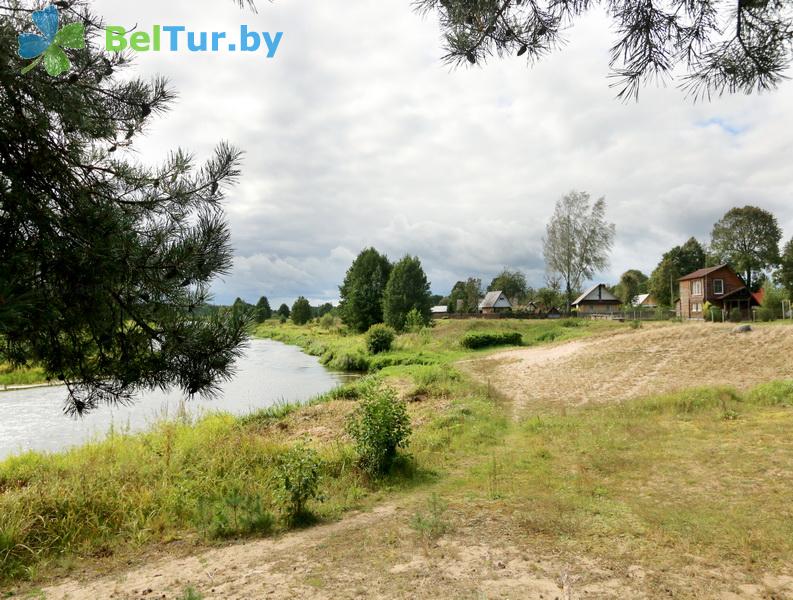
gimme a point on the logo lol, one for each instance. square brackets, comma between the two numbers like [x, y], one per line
[49, 47]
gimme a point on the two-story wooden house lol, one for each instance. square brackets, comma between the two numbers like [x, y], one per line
[720, 286]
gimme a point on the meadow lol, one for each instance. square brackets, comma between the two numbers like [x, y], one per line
[668, 484]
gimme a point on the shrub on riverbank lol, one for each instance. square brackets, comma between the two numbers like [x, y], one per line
[478, 340]
[379, 338]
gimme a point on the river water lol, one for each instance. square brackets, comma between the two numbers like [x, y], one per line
[269, 373]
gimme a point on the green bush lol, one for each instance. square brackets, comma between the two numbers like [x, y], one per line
[414, 321]
[234, 514]
[327, 321]
[635, 324]
[297, 478]
[476, 340]
[735, 315]
[379, 338]
[571, 322]
[765, 314]
[379, 427]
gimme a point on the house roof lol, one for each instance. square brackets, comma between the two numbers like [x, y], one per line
[608, 297]
[702, 272]
[637, 300]
[491, 298]
[441, 308]
[759, 295]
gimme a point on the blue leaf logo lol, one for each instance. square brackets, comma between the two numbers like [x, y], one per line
[49, 46]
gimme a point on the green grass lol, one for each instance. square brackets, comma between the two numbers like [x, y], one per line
[21, 376]
[442, 344]
[652, 481]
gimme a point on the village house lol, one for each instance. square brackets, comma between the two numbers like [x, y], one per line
[597, 300]
[720, 287]
[495, 302]
[644, 301]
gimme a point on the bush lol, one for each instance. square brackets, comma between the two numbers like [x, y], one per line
[379, 427]
[635, 324]
[735, 315]
[234, 514]
[327, 321]
[715, 314]
[765, 314]
[476, 340]
[414, 321]
[297, 478]
[379, 338]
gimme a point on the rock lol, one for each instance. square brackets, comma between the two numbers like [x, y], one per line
[742, 329]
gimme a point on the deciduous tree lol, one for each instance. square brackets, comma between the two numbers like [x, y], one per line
[512, 283]
[747, 238]
[577, 241]
[679, 261]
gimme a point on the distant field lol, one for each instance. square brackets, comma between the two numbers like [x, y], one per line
[633, 364]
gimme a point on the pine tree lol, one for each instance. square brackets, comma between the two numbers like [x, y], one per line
[263, 310]
[407, 289]
[105, 263]
[301, 311]
[362, 291]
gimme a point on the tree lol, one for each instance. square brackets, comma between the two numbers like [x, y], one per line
[106, 261]
[679, 261]
[324, 309]
[512, 283]
[468, 293]
[632, 283]
[716, 47]
[548, 297]
[283, 311]
[301, 311]
[784, 276]
[747, 238]
[263, 310]
[407, 289]
[577, 241]
[361, 293]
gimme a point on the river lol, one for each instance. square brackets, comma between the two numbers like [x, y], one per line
[269, 373]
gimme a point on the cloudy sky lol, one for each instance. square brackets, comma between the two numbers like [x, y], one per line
[357, 134]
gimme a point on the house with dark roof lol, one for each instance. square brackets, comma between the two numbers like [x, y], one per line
[495, 302]
[597, 300]
[719, 286]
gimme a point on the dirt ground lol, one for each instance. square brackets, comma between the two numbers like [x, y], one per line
[635, 363]
[377, 555]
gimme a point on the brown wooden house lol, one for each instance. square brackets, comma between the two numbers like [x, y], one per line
[720, 286]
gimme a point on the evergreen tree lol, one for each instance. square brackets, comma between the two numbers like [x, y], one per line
[713, 47]
[407, 289]
[105, 261]
[301, 311]
[283, 311]
[362, 291]
[468, 293]
[263, 310]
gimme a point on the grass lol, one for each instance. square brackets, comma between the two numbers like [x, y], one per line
[442, 344]
[651, 481]
[21, 376]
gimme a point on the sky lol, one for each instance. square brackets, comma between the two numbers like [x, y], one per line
[357, 134]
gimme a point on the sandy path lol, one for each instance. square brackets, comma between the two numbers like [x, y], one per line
[637, 363]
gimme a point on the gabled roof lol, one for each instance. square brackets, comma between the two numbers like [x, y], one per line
[491, 298]
[441, 308]
[604, 297]
[702, 272]
[637, 300]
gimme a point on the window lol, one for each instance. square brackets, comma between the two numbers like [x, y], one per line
[696, 288]
[696, 307]
[718, 287]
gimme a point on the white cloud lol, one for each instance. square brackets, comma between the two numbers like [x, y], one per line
[356, 134]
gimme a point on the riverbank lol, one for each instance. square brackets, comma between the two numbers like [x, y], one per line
[640, 497]
[16, 378]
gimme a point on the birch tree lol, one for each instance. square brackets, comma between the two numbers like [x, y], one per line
[578, 241]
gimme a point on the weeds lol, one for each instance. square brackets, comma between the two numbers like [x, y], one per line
[431, 524]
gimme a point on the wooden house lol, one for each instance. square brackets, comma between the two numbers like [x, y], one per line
[720, 286]
[495, 302]
[644, 301]
[597, 300]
